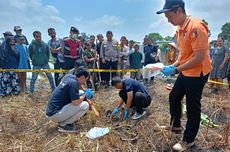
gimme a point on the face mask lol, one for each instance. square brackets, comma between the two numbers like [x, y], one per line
[74, 36]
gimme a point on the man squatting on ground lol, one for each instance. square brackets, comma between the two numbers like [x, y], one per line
[193, 66]
[67, 103]
[134, 95]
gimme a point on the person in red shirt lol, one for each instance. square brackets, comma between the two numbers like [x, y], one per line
[72, 49]
[193, 66]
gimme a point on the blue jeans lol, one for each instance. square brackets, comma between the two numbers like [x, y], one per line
[35, 76]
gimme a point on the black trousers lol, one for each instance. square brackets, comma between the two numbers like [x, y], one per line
[102, 74]
[140, 100]
[110, 65]
[57, 66]
[192, 88]
[69, 63]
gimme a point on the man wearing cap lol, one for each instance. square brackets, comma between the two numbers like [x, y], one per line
[193, 66]
[55, 47]
[18, 31]
[110, 56]
[72, 48]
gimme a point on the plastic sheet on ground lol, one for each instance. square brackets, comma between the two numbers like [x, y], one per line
[152, 70]
[97, 132]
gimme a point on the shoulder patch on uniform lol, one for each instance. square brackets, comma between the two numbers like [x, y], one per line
[195, 34]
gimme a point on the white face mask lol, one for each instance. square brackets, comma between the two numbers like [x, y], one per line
[74, 36]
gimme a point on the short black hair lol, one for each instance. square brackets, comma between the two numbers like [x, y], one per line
[109, 32]
[123, 37]
[115, 81]
[81, 71]
[36, 32]
[79, 62]
[51, 29]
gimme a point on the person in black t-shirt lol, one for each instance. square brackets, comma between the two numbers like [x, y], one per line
[67, 104]
[134, 95]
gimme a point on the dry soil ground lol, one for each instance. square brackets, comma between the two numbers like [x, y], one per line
[24, 126]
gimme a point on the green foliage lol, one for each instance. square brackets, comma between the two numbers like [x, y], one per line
[155, 37]
[164, 46]
[168, 38]
[209, 32]
[225, 31]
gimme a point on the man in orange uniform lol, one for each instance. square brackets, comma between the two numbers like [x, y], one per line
[193, 66]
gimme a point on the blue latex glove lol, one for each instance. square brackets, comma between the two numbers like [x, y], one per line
[172, 66]
[115, 111]
[167, 70]
[81, 92]
[89, 93]
[126, 114]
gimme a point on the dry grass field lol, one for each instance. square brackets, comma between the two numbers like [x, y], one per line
[25, 128]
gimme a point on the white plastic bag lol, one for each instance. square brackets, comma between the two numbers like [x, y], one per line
[152, 70]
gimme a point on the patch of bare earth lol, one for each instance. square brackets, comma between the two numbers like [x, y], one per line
[24, 126]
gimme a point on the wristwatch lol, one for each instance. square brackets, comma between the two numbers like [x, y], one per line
[176, 71]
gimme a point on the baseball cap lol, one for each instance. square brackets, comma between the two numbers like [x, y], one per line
[74, 29]
[8, 33]
[170, 5]
[17, 28]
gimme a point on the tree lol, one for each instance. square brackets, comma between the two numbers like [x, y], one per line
[209, 32]
[225, 31]
[155, 37]
[168, 38]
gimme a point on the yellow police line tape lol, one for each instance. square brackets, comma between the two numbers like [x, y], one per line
[63, 71]
[90, 70]
[220, 83]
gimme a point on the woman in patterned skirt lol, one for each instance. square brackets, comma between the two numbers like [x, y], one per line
[9, 59]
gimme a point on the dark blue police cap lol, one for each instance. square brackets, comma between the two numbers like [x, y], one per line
[170, 5]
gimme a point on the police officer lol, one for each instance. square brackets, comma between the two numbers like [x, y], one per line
[110, 56]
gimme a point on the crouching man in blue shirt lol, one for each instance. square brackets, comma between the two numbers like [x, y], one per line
[67, 104]
[134, 95]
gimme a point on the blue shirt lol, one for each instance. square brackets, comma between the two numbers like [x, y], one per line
[135, 86]
[150, 52]
[23, 61]
[57, 57]
[66, 92]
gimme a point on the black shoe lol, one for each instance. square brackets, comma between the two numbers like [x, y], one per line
[176, 130]
[70, 128]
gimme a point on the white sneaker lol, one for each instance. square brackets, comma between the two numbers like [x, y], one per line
[137, 116]
[182, 146]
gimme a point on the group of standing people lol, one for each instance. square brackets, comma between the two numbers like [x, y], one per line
[95, 52]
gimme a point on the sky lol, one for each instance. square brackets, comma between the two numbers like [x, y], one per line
[131, 18]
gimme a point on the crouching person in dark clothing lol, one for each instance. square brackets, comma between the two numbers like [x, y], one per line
[67, 105]
[134, 95]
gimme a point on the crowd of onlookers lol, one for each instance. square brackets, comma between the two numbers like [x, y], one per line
[94, 52]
